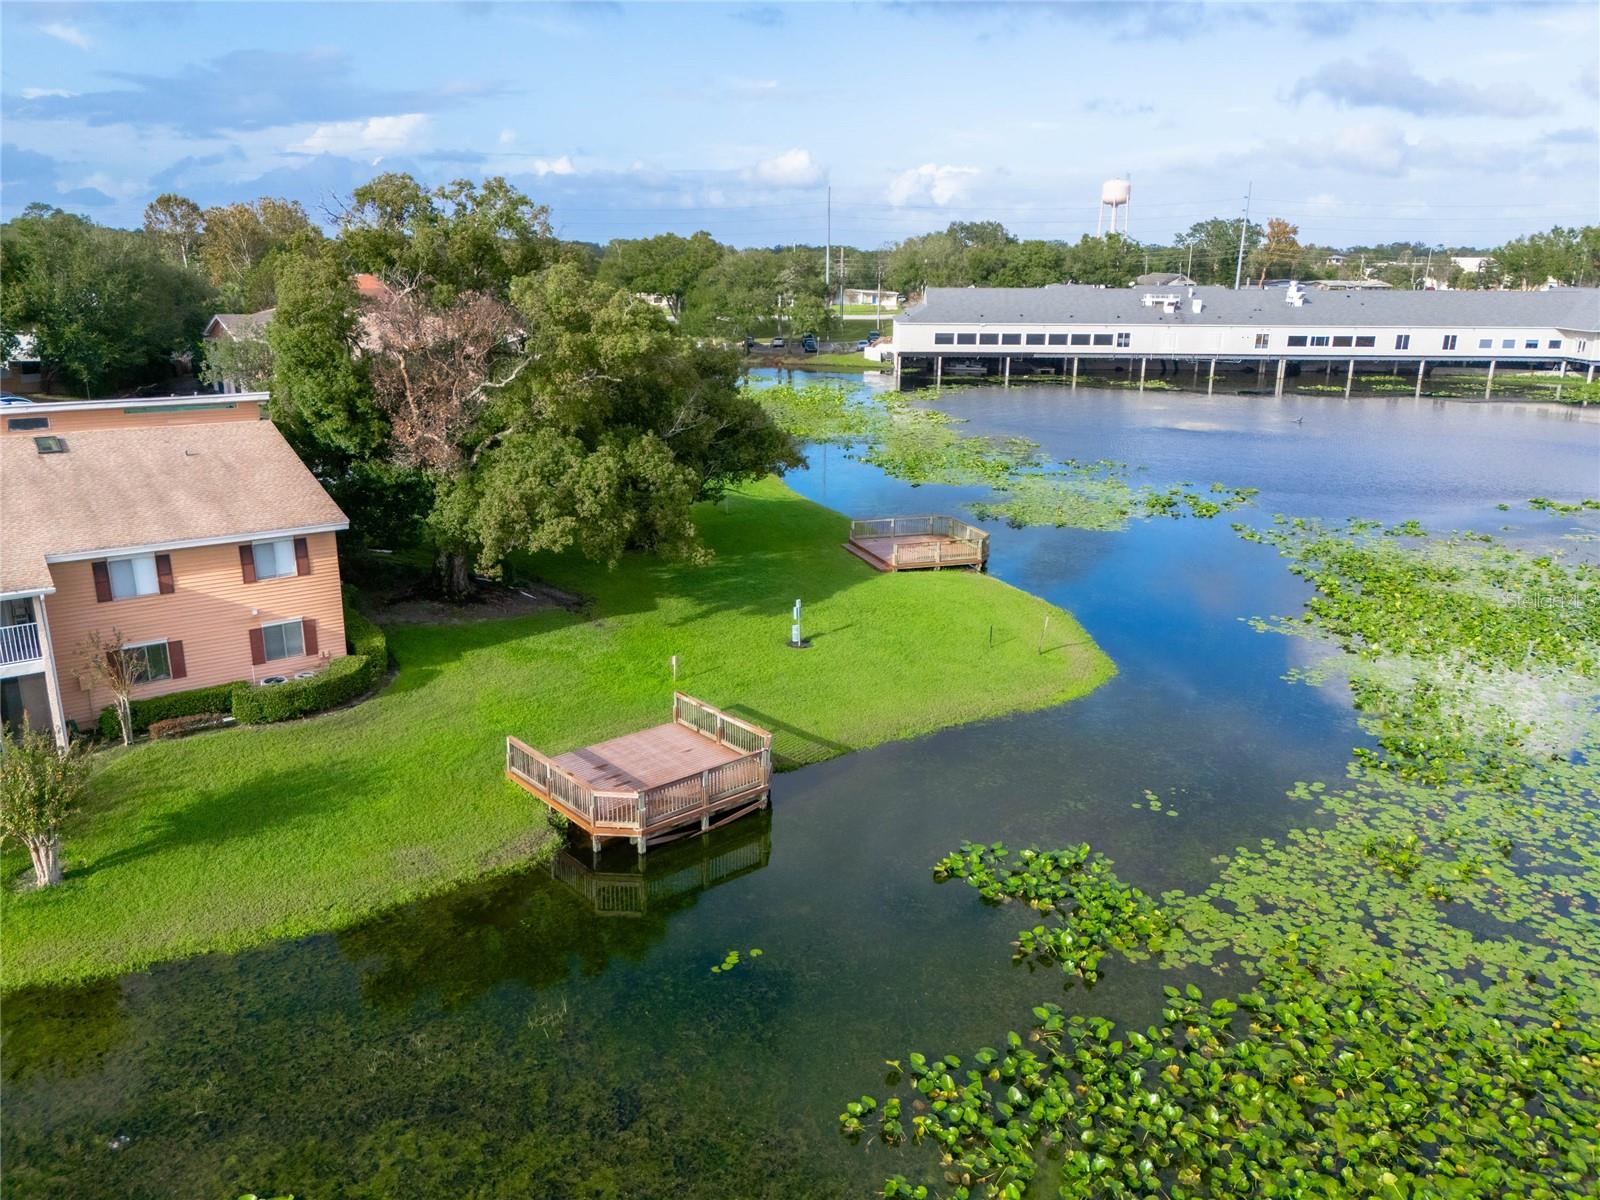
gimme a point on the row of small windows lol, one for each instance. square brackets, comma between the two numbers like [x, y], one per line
[1334, 341]
[1033, 339]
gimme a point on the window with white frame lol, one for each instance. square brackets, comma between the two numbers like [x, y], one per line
[1449, 341]
[150, 660]
[1531, 344]
[1261, 340]
[1319, 339]
[1555, 343]
[1485, 343]
[135, 576]
[1508, 343]
[274, 559]
[283, 639]
[1124, 340]
[1402, 341]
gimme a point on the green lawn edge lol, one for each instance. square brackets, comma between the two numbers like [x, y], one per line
[225, 840]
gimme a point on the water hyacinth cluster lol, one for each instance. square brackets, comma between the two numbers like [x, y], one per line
[1417, 970]
[923, 445]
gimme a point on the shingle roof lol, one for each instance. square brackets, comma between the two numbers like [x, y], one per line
[242, 325]
[1565, 308]
[114, 489]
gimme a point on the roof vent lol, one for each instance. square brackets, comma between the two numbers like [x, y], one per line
[51, 445]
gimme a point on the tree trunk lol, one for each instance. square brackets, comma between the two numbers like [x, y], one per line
[457, 579]
[125, 719]
[46, 855]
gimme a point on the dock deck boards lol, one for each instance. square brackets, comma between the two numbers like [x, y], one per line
[636, 762]
[927, 543]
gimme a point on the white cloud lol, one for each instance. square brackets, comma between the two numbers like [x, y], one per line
[543, 166]
[507, 136]
[938, 183]
[36, 93]
[792, 168]
[70, 34]
[380, 135]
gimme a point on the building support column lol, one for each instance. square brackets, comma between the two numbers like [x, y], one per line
[1488, 384]
[1589, 375]
[938, 370]
[1283, 369]
[1196, 382]
[1561, 377]
[1422, 369]
[1211, 377]
[52, 685]
[1349, 379]
[897, 361]
[1143, 363]
[1008, 370]
[1075, 372]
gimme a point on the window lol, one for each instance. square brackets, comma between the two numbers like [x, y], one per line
[1080, 339]
[1123, 340]
[1036, 339]
[1531, 344]
[1402, 341]
[274, 559]
[988, 339]
[1343, 340]
[1485, 343]
[285, 639]
[1319, 339]
[966, 339]
[1058, 339]
[1011, 339]
[28, 423]
[1102, 339]
[133, 576]
[944, 339]
[1262, 339]
[1555, 343]
[153, 660]
[1366, 343]
[1449, 341]
[1295, 339]
[1508, 343]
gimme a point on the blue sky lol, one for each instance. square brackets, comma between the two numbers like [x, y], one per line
[1454, 124]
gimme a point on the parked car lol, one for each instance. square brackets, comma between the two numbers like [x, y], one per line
[809, 343]
[13, 398]
[873, 337]
[863, 344]
[777, 343]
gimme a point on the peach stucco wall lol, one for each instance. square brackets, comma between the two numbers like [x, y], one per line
[115, 416]
[211, 610]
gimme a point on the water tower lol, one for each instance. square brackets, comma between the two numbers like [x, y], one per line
[1114, 194]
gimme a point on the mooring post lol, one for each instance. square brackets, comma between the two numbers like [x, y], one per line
[1211, 378]
[1422, 369]
[1350, 379]
[1488, 384]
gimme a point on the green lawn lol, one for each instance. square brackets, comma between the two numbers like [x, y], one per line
[231, 838]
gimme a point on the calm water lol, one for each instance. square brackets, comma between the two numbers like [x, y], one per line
[562, 1036]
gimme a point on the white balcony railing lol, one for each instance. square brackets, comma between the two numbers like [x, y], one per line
[19, 643]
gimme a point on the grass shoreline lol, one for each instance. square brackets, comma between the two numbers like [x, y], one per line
[226, 840]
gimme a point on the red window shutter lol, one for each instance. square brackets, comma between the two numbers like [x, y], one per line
[164, 574]
[175, 660]
[247, 562]
[309, 627]
[302, 557]
[258, 647]
[102, 582]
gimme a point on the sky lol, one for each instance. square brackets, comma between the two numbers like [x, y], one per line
[1449, 124]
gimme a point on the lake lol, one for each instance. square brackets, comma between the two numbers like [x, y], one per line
[559, 1032]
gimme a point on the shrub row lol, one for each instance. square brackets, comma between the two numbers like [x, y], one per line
[162, 708]
[346, 678]
[175, 727]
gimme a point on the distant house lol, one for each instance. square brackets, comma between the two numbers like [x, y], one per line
[1335, 260]
[23, 372]
[237, 327]
[1163, 279]
[1472, 264]
[184, 523]
[886, 298]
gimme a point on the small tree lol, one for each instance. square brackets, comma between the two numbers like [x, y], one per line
[40, 787]
[110, 662]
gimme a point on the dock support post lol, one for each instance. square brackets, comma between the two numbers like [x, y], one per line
[1143, 363]
[1196, 373]
[1211, 377]
[1008, 370]
[1589, 375]
[1422, 369]
[1075, 372]
[1349, 379]
[1283, 369]
[1561, 379]
[897, 359]
[639, 844]
[1488, 384]
[938, 369]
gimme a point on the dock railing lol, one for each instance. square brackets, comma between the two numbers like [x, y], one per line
[616, 812]
[973, 542]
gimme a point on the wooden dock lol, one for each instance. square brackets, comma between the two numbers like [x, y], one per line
[702, 769]
[673, 877]
[927, 543]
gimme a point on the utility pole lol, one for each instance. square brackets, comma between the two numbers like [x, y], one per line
[1238, 270]
[827, 252]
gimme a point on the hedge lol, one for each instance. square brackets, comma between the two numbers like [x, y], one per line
[345, 679]
[162, 708]
[175, 727]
